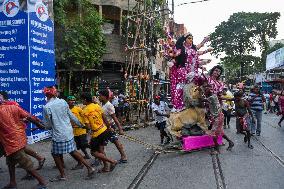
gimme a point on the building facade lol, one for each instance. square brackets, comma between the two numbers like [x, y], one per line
[113, 61]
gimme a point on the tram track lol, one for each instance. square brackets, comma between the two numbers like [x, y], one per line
[142, 173]
[272, 154]
[218, 172]
[217, 168]
[216, 162]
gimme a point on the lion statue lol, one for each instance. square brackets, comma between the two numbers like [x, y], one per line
[194, 114]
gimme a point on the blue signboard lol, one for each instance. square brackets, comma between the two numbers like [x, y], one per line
[27, 59]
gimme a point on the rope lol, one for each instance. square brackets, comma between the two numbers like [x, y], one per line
[136, 140]
[157, 148]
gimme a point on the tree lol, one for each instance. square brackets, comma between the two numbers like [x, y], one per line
[79, 41]
[238, 38]
[275, 47]
[264, 28]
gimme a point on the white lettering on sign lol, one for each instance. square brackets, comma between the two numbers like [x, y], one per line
[13, 71]
[8, 63]
[38, 114]
[38, 91]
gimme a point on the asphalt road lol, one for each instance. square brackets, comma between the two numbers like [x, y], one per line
[242, 168]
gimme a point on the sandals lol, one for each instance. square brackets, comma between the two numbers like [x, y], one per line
[112, 166]
[91, 174]
[231, 145]
[96, 163]
[103, 170]
[28, 177]
[39, 186]
[40, 164]
[250, 146]
[57, 179]
[245, 139]
[9, 187]
[121, 161]
[77, 167]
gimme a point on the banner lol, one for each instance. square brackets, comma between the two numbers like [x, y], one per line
[275, 59]
[27, 59]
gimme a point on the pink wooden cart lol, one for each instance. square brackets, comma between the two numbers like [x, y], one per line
[198, 142]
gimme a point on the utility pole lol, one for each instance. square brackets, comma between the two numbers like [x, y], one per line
[173, 8]
[79, 10]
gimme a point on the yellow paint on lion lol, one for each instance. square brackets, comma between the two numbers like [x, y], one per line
[188, 116]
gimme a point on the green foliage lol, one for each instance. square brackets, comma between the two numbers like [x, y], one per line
[275, 47]
[59, 12]
[238, 38]
[79, 40]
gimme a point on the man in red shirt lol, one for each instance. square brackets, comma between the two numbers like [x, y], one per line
[28, 150]
[13, 139]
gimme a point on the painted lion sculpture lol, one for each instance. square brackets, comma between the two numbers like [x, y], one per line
[194, 114]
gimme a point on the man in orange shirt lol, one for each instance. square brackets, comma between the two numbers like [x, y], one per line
[13, 138]
[28, 150]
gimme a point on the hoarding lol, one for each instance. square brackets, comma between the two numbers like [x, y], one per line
[275, 59]
[27, 59]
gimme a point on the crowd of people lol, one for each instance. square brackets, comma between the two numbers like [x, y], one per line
[187, 72]
[96, 122]
[70, 125]
[248, 109]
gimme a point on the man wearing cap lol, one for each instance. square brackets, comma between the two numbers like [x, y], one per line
[57, 115]
[159, 107]
[80, 134]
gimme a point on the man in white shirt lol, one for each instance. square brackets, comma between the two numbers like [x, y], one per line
[115, 100]
[109, 111]
[159, 107]
[58, 117]
[266, 105]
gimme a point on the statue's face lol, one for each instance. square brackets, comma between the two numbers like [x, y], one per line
[216, 73]
[169, 40]
[189, 40]
[195, 93]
